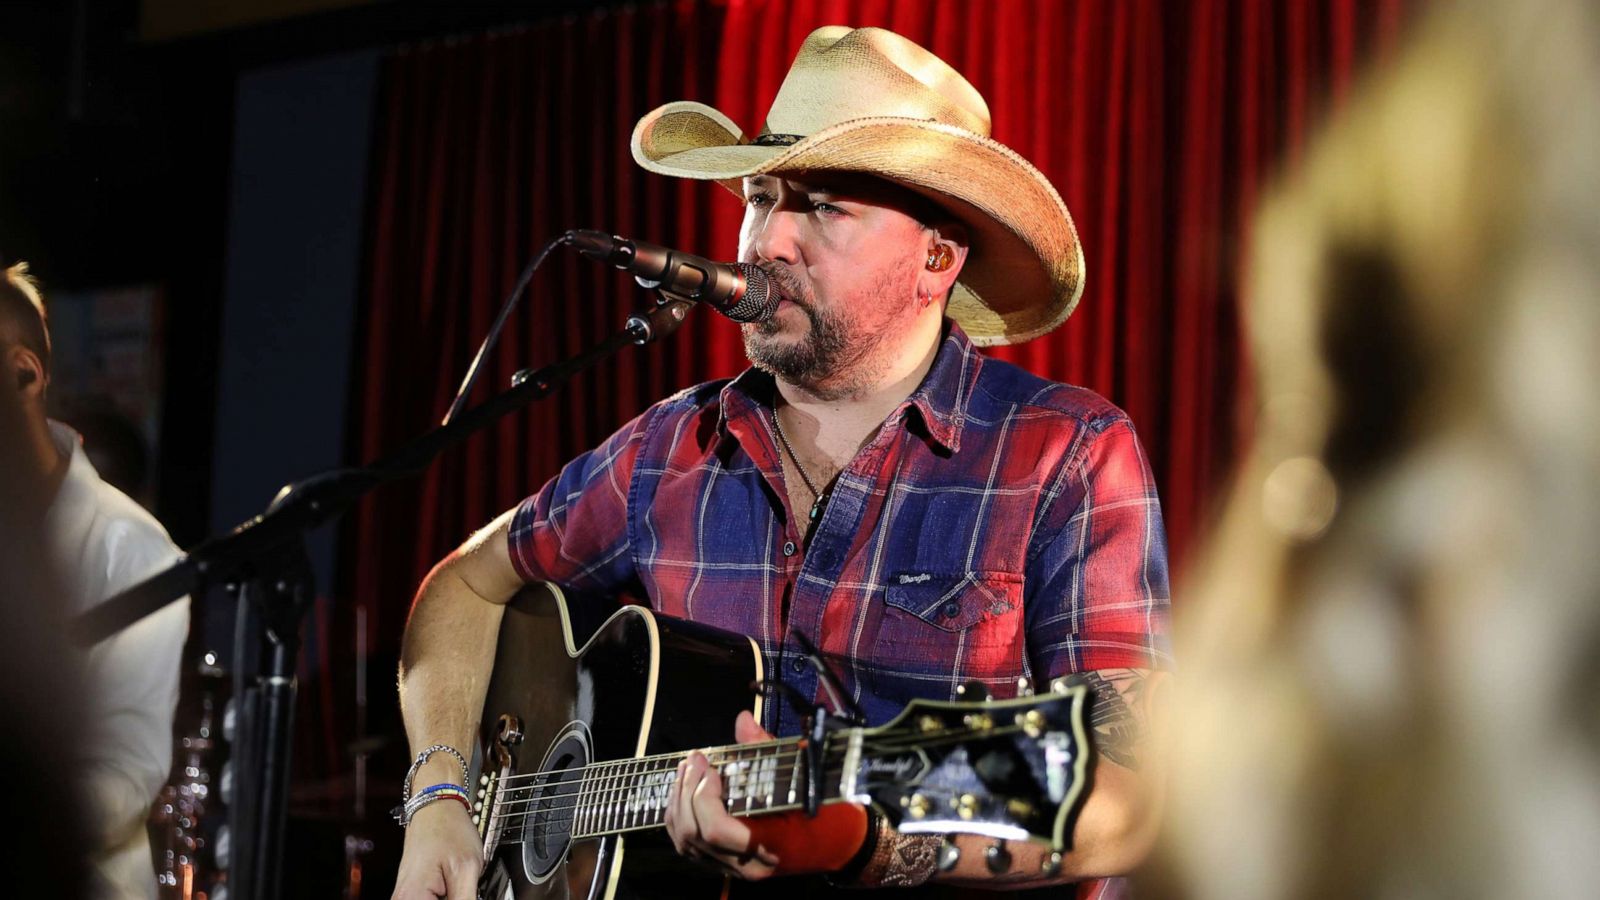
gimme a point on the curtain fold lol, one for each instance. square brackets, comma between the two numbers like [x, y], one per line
[1157, 123]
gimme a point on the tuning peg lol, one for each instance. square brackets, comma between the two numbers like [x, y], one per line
[966, 805]
[975, 691]
[1024, 687]
[1051, 864]
[917, 805]
[949, 855]
[997, 857]
[1031, 722]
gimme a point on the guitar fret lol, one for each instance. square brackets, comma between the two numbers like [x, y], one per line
[581, 811]
[753, 767]
[608, 799]
[794, 773]
[772, 783]
[628, 793]
[618, 792]
[624, 789]
[638, 794]
[597, 814]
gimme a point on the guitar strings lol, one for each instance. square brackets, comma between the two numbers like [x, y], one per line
[596, 786]
[785, 743]
[720, 755]
[620, 819]
[602, 805]
[518, 831]
[506, 809]
[746, 804]
[609, 797]
[520, 835]
[617, 770]
[913, 738]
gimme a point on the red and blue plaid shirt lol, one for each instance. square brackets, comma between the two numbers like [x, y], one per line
[997, 526]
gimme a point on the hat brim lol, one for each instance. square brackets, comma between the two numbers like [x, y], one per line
[1024, 274]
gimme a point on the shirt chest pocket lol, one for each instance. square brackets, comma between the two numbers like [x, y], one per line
[937, 631]
[986, 607]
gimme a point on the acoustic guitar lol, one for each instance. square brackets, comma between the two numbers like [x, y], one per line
[581, 745]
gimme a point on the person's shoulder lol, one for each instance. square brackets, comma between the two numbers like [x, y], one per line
[135, 543]
[695, 398]
[698, 403]
[1002, 385]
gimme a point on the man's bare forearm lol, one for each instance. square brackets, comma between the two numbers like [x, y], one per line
[448, 650]
[1117, 825]
[1113, 834]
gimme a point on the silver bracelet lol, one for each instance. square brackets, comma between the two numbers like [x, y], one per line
[405, 786]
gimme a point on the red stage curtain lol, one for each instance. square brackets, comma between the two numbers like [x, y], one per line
[1158, 123]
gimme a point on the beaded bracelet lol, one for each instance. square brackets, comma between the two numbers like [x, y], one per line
[405, 786]
[407, 811]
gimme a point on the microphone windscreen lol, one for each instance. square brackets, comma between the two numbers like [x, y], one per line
[758, 302]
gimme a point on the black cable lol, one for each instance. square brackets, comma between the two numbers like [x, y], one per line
[474, 370]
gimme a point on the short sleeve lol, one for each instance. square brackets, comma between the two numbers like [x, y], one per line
[1097, 593]
[575, 530]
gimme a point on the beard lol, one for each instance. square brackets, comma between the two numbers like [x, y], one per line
[837, 356]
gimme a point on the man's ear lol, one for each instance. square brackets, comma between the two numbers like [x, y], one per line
[948, 244]
[28, 373]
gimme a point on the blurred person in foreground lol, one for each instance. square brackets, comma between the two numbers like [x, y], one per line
[38, 690]
[1393, 647]
[92, 542]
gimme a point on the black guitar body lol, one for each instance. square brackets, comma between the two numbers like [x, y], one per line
[640, 684]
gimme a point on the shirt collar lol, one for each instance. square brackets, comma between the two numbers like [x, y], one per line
[941, 399]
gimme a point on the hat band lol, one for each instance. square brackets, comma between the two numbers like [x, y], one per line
[777, 140]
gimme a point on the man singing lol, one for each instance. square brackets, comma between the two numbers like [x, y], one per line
[927, 516]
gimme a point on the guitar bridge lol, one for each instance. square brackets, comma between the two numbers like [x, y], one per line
[508, 734]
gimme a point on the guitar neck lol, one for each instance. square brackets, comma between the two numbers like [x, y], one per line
[631, 794]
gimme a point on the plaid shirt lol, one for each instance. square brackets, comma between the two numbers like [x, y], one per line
[997, 526]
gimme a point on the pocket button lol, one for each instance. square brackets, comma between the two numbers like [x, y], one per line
[950, 610]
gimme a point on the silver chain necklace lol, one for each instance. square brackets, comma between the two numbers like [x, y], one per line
[821, 497]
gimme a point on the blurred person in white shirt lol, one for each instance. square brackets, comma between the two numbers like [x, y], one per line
[95, 542]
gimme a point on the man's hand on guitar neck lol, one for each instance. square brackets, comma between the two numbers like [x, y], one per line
[442, 855]
[698, 824]
[701, 827]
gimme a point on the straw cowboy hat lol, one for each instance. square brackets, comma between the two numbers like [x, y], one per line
[868, 100]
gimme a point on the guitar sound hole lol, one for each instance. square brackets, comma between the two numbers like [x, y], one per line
[552, 802]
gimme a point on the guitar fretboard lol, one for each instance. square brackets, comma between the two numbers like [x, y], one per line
[631, 794]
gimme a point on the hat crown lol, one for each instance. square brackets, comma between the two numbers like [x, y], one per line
[843, 73]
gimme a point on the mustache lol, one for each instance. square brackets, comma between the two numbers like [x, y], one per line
[789, 287]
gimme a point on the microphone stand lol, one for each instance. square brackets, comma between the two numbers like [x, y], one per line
[264, 562]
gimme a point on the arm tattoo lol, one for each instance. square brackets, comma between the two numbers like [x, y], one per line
[1117, 714]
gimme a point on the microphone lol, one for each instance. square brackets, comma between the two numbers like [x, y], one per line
[739, 291]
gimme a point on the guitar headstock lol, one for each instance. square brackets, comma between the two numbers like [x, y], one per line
[1012, 769]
